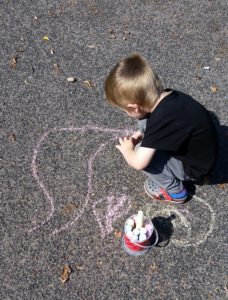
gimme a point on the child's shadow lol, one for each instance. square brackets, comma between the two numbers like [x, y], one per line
[219, 174]
[164, 229]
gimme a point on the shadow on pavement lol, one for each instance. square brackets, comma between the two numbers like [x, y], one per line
[219, 174]
[164, 228]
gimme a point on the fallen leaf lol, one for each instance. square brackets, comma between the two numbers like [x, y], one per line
[13, 61]
[79, 267]
[50, 13]
[112, 34]
[222, 185]
[118, 234]
[45, 38]
[12, 137]
[214, 88]
[126, 35]
[69, 208]
[99, 264]
[88, 83]
[153, 268]
[198, 77]
[65, 275]
[134, 205]
[57, 69]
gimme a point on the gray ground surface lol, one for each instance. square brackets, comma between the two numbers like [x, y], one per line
[61, 180]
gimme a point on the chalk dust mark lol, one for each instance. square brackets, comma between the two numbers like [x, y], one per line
[203, 237]
[115, 210]
[184, 216]
[50, 200]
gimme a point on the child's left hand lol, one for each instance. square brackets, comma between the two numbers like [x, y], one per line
[126, 145]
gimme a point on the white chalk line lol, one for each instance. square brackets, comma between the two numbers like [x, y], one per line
[189, 239]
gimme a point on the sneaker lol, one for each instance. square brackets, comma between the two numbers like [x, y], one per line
[155, 191]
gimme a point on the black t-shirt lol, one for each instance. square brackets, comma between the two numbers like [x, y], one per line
[184, 128]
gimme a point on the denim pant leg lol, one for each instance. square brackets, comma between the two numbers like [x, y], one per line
[167, 171]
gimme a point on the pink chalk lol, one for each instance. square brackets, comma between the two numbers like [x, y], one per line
[116, 211]
[149, 228]
[129, 235]
[130, 222]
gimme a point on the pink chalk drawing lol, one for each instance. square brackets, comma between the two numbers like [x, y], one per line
[114, 211]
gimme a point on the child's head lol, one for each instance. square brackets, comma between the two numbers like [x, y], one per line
[132, 81]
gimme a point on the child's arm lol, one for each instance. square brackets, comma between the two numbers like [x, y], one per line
[137, 159]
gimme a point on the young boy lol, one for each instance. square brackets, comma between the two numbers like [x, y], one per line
[176, 140]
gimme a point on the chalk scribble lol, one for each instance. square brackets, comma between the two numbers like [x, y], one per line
[114, 211]
[190, 236]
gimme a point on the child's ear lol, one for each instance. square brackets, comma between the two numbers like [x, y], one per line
[133, 106]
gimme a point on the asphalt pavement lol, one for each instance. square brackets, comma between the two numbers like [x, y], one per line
[65, 189]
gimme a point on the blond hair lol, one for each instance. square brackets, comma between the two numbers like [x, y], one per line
[132, 80]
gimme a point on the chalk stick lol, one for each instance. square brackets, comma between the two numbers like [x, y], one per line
[128, 228]
[143, 230]
[139, 219]
[129, 235]
[134, 239]
[136, 231]
[130, 222]
[149, 228]
[142, 237]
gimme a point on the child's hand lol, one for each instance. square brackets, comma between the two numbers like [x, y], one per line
[126, 145]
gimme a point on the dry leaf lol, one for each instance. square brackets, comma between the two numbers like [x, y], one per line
[153, 268]
[57, 69]
[112, 34]
[80, 267]
[88, 83]
[13, 61]
[12, 137]
[198, 77]
[222, 185]
[65, 275]
[50, 13]
[118, 234]
[214, 88]
[99, 264]
[69, 208]
[126, 35]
